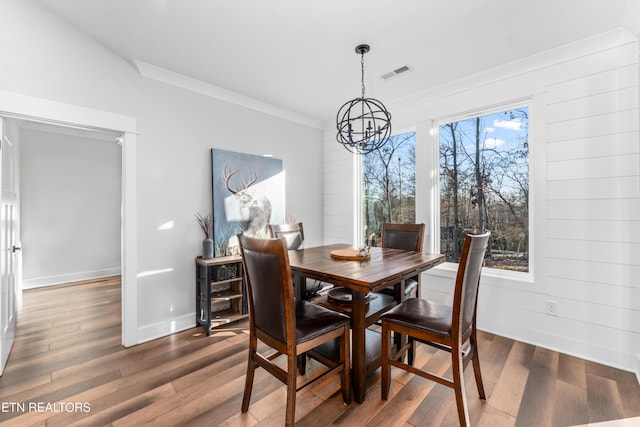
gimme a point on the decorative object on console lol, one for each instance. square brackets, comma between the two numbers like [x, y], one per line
[248, 195]
[363, 124]
[206, 223]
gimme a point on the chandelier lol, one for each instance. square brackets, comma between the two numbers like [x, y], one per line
[363, 124]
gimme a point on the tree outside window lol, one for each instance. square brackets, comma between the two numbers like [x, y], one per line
[484, 185]
[389, 186]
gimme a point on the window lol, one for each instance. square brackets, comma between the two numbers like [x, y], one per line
[388, 186]
[484, 185]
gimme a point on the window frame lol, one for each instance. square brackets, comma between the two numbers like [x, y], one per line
[358, 184]
[434, 186]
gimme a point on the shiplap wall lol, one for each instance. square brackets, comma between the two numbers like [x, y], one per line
[585, 191]
[338, 193]
[593, 203]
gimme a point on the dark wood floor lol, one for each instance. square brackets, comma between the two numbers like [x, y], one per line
[67, 367]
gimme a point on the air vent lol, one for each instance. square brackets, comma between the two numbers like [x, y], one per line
[395, 73]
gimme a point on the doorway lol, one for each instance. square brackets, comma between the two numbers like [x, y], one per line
[18, 106]
[70, 198]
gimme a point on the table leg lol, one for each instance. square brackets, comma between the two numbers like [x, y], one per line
[358, 346]
[398, 339]
[300, 286]
[300, 289]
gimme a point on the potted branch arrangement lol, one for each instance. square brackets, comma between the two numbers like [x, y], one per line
[206, 223]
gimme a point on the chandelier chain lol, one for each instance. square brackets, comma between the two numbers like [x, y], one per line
[362, 72]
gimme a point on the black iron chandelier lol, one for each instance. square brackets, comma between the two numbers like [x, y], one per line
[363, 124]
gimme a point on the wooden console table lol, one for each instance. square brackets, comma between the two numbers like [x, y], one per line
[221, 295]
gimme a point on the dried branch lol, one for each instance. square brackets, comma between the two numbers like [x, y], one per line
[206, 223]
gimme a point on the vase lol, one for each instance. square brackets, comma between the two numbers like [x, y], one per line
[207, 248]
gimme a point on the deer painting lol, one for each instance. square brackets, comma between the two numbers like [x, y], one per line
[254, 210]
[248, 194]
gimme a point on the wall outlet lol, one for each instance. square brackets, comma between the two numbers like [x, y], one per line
[551, 307]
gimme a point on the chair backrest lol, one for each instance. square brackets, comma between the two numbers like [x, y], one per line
[269, 285]
[403, 236]
[293, 234]
[465, 295]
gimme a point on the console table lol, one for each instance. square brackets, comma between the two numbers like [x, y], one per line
[221, 295]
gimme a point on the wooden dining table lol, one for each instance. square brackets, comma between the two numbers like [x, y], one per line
[383, 267]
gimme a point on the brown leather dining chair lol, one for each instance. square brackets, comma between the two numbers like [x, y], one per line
[292, 233]
[294, 236]
[289, 327]
[408, 237]
[449, 328]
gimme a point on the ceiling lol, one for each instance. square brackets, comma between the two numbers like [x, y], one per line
[299, 55]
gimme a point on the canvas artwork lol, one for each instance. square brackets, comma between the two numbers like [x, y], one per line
[248, 195]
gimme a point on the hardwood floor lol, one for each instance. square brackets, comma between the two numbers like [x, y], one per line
[67, 367]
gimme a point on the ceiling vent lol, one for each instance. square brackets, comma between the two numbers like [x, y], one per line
[395, 73]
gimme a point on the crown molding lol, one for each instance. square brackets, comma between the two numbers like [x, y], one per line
[178, 80]
[631, 17]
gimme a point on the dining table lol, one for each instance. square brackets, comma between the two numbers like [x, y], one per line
[363, 276]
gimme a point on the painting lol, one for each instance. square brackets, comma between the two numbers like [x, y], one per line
[248, 195]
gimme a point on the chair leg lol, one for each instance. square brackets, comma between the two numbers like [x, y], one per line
[251, 369]
[386, 368]
[457, 368]
[475, 359]
[411, 357]
[302, 363]
[292, 373]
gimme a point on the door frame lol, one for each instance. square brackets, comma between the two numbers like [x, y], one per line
[19, 106]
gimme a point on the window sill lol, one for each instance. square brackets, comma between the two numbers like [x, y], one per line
[449, 269]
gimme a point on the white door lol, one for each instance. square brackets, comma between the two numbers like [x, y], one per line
[9, 248]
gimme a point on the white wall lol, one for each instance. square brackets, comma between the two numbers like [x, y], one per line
[637, 32]
[585, 189]
[70, 208]
[44, 57]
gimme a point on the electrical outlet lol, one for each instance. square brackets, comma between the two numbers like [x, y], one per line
[551, 307]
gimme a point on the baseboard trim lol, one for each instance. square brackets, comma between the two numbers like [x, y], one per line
[638, 368]
[587, 351]
[166, 327]
[40, 282]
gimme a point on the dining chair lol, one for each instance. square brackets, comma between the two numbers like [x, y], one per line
[293, 234]
[408, 237]
[288, 327]
[450, 328]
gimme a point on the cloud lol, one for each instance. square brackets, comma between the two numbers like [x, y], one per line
[493, 142]
[489, 129]
[508, 124]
